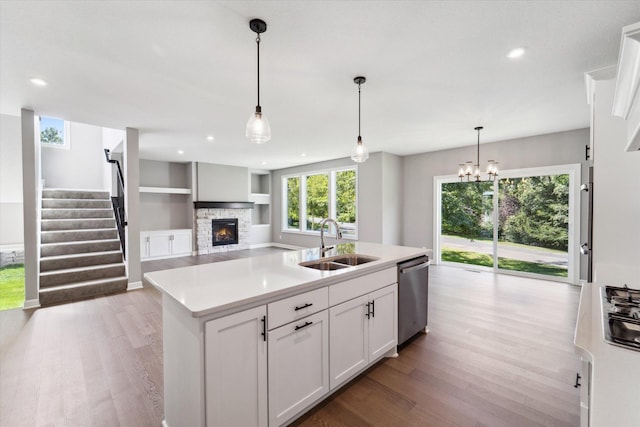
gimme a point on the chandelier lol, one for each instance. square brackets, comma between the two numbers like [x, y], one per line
[469, 169]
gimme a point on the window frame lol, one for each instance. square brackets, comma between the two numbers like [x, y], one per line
[302, 200]
[66, 144]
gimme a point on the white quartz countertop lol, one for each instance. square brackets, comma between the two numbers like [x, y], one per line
[223, 286]
[615, 380]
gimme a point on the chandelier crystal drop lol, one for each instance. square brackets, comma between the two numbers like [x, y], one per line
[360, 152]
[469, 169]
[258, 130]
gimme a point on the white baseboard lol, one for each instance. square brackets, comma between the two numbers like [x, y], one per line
[260, 245]
[31, 303]
[283, 246]
[132, 286]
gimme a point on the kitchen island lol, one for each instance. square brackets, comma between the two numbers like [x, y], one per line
[259, 341]
[610, 375]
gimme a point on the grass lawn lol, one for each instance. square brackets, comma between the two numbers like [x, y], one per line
[474, 258]
[11, 286]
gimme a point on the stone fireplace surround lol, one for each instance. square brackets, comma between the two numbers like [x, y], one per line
[204, 230]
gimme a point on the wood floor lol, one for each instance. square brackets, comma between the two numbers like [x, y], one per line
[499, 353]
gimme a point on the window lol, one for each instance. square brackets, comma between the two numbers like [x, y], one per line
[316, 195]
[54, 132]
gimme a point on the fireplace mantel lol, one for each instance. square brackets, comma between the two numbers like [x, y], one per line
[223, 205]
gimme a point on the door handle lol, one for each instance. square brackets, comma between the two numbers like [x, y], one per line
[264, 328]
[415, 267]
[373, 308]
[368, 310]
[577, 384]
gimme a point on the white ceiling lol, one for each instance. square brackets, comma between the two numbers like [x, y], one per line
[180, 70]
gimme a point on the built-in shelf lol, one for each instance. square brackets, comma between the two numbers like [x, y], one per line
[260, 198]
[165, 190]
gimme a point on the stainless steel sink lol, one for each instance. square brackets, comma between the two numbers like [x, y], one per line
[354, 259]
[338, 262]
[323, 265]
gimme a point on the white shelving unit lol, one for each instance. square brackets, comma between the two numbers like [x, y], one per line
[166, 199]
[260, 195]
[165, 190]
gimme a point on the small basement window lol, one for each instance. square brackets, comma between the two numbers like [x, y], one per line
[54, 132]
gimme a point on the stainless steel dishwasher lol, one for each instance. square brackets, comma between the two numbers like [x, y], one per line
[413, 297]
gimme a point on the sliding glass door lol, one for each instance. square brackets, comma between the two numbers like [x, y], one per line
[533, 224]
[529, 228]
[467, 223]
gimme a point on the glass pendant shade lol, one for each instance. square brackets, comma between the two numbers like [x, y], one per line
[258, 129]
[360, 153]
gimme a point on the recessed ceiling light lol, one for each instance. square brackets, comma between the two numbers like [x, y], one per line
[181, 152]
[38, 82]
[210, 138]
[264, 163]
[303, 155]
[515, 53]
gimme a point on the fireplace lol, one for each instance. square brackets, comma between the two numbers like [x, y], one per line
[225, 231]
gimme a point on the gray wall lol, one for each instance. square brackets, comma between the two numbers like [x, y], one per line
[536, 151]
[163, 174]
[11, 221]
[81, 166]
[221, 183]
[392, 193]
[161, 211]
[378, 183]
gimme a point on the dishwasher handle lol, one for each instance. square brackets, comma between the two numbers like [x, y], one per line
[415, 267]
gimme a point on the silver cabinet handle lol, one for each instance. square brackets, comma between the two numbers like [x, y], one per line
[415, 267]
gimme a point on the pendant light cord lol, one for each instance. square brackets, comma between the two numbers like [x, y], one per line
[258, 43]
[359, 110]
[478, 156]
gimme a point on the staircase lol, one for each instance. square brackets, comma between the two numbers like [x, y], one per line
[80, 254]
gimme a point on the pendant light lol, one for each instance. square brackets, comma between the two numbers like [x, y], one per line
[258, 129]
[468, 169]
[360, 153]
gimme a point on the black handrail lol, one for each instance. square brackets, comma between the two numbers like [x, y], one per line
[118, 203]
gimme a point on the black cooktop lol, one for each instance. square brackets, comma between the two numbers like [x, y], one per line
[621, 316]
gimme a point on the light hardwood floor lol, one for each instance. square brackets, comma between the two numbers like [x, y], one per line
[499, 353]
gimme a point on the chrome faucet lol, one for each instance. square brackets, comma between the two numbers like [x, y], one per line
[338, 233]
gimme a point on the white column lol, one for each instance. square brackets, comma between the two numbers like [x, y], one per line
[131, 159]
[31, 208]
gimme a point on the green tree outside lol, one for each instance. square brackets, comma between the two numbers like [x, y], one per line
[346, 196]
[532, 211]
[293, 202]
[317, 200]
[51, 136]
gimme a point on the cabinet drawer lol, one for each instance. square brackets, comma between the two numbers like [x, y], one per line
[296, 307]
[344, 291]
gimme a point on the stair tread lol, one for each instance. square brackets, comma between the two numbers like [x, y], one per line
[75, 230]
[82, 283]
[77, 219]
[78, 242]
[68, 208]
[80, 269]
[80, 255]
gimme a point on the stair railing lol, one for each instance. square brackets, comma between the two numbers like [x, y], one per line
[118, 202]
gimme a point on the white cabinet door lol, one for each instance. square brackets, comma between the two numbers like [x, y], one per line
[236, 370]
[181, 243]
[298, 366]
[383, 326]
[144, 245]
[159, 244]
[348, 340]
